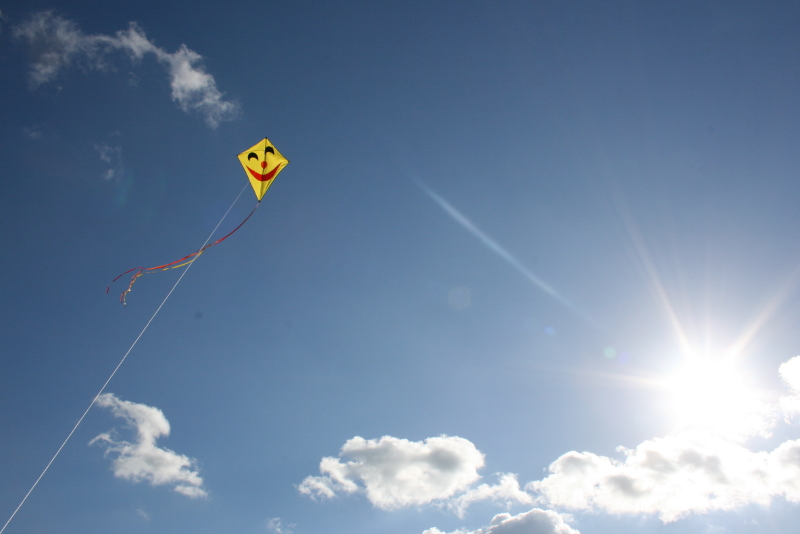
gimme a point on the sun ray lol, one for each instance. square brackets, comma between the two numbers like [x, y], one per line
[773, 304]
[653, 278]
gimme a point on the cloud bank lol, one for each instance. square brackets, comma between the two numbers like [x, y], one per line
[58, 43]
[142, 460]
[675, 476]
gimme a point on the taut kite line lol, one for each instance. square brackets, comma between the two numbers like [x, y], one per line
[256, 156]
[262, 162]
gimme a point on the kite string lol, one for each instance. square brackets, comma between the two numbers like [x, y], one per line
[119, 365]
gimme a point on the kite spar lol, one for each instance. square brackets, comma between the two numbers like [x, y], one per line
[262, 162]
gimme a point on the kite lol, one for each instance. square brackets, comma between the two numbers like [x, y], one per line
[262, 162]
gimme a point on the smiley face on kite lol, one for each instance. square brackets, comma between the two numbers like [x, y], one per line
[262, 162]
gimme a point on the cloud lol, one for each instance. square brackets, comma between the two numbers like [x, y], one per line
[58, 44]
[692, 472]
[790, 373]
[536, 521]
[675, 476]
[33, 132]
[395, 473]
[142, 460]
[507, 492]
[112, 155]
[275, 525]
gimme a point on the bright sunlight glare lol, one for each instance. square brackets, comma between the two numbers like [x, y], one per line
[712, 394]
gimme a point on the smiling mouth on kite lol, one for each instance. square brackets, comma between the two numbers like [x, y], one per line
[266, 177]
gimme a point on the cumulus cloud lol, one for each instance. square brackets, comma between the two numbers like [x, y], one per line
[58, 43]
[691, 472]
[394, 472]
[536, 521]
[143, 460]
[675, 476]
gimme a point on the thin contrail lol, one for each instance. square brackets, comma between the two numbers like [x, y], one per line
[495, 247]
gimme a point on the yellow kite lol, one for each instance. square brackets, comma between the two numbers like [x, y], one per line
[262, 162]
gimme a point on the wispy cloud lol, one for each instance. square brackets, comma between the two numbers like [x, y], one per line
[58, 43]
[507, 492]
[276, 525]
[33, 132]
[142, 460]
[495, 247]
[112, 156]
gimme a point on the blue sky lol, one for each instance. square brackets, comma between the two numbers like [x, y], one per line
[532, 269]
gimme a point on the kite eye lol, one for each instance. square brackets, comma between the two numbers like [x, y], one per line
[252, 155]
[269, 149]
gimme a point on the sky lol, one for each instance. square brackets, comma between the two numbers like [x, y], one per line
[533, 267]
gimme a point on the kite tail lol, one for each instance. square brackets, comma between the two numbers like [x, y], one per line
[141, 271]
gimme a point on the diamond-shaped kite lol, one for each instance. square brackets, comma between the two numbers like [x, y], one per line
[262, 162]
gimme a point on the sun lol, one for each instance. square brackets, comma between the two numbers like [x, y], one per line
[713, 394]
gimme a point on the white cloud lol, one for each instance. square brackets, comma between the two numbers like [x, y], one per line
[58, 44]
[394, 472]
[193, 88]
[112, 155]
[790, 373]
[691, 472]
[536, 521]
[142, 460]
[276, 525]
[507, 492]
[675, 476]
[107, 153]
